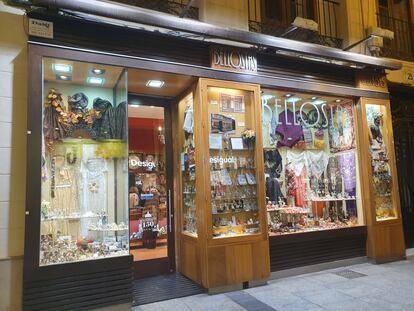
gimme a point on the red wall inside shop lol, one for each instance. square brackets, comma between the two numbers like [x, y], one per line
[143, 135]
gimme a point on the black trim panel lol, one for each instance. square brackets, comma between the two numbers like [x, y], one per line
[308, 248]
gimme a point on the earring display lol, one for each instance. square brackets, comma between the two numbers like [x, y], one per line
[81, 216]
[234, 204]
[188, 168]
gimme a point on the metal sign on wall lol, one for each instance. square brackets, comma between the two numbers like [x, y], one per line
[372, 81]
[234, 59]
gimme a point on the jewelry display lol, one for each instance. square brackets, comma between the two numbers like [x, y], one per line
[233, 180]
[317, 190]
[79, 217]
[188, 171]
[381, 170]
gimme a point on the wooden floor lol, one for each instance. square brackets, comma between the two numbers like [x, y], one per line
[141, 253]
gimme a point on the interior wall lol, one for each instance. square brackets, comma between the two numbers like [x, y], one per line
[13, 107]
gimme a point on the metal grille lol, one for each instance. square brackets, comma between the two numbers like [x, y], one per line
[402, 46]
[163, 287]
[276, 20]
[178, 8]
[349, 274]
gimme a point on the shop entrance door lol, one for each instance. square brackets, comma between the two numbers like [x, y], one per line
[402, 107]
[151, 219]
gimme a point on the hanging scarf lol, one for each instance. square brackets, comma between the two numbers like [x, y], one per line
[316, 161]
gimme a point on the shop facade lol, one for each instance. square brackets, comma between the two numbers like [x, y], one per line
[261, 161]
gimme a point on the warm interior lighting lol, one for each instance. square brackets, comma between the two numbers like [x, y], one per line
[62, 68]
[98, 71]
[155, 83]
[95, 80]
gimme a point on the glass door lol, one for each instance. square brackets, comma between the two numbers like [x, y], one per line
[150, 210]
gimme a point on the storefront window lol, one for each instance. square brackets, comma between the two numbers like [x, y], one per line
[232, 162]
[310, 162]
[188, 167]
[380, 161]
[84, 181]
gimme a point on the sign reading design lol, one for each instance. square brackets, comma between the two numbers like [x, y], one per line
[233, 59]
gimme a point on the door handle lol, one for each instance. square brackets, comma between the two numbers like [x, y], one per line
[170, 216]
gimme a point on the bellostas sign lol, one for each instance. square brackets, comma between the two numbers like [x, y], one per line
[233, 59]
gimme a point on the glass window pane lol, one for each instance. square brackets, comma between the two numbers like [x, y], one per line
[233, 177]
[381, 170]
[84, 162]
[310, 162]
[187, 161]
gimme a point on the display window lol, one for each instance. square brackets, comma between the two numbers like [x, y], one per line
[84, 174]
[188, 165]
[310, 162]
[378, 123]
[232, 162]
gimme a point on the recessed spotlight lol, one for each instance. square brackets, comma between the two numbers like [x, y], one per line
[63, 78]
[62, 68]
[95, 80]
[98, 71]
[313, 97]
[266, 96]
[155, 83]
[338, 100]
[288, 95]
[318, 101]
[293, 99]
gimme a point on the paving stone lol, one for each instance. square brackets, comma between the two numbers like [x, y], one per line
[388, 287]
[325, 297]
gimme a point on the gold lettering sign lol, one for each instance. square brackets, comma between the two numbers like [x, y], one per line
[371, 81]
[233, 59]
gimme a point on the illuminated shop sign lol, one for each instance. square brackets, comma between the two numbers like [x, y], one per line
[233, 59]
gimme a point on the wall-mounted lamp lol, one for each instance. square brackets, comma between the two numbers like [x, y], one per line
[373, 32]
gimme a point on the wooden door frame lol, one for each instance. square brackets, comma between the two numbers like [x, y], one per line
[168, 264]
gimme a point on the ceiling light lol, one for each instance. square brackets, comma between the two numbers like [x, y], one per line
[313, 97]
[62, 68]
[288, 95]
[293, 99]
[63, 77]
[155, 83]
[338, 100]
[95, 80]
[134, 105]
[318, 101]
[266, 96]
[98, 71]
[152, 106]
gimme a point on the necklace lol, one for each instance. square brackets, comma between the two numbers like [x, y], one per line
[71, 157]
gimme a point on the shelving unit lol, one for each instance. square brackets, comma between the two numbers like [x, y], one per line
[237, 250]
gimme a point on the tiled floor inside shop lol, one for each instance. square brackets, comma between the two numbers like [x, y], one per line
[362, 287]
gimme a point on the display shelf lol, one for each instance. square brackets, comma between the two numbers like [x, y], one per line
[332, 200]
[235, 212]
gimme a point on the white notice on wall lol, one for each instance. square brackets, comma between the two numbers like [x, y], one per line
[40, 28]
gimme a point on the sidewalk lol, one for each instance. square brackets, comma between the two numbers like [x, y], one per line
[362, 287]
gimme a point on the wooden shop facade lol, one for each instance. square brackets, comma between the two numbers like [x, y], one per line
[159, 145]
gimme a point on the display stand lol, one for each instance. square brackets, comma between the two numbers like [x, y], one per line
[380, 182]
[222, 228]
